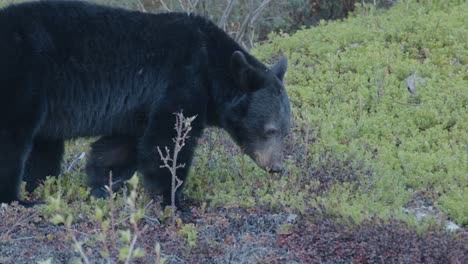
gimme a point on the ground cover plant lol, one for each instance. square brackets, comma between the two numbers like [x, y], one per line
[388, 95]
[376, 163]
[364, 142]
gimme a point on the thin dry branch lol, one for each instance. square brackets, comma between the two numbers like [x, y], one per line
[141, 6]
[23, 219]
[183, 128]
[79, 248]
[165, 6]
[250, 20]
[226, 14]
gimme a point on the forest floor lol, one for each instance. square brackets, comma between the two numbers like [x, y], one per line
[234, 235]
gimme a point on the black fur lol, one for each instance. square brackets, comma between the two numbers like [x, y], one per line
[73, 69]
[114, 154]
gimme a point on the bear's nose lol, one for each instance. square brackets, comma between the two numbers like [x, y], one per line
[277, 168]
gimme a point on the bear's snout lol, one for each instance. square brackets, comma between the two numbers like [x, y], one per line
[269, 156]
[276, 168]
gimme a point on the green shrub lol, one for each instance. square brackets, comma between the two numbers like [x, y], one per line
[361, 144]
[347, 82]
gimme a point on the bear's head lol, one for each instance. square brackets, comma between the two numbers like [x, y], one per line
[258, 117]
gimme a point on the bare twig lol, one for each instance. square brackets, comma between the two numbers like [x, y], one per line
[157, 250]
[165, 6]
[183, 128]
[193, 4]
[79, 248]
[250, 19]
[23, 219]
[83, 234]
[226, 14]
[141, 6]
[134, 240]
[112, 209]
[23, 238]
[74, 162]
[181, 3]
[188, 6]
[134, 221]
[111, 231]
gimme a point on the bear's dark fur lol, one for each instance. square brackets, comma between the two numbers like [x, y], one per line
[73, 69]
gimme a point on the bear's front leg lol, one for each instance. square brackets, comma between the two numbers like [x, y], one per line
[116, 154]
[161, 133]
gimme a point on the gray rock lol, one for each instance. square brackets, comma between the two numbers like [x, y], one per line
[412, 81]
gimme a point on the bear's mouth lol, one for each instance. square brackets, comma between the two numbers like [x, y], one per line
[270, 161]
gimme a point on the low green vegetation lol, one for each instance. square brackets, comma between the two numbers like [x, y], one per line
[379, 130]
[362, 144]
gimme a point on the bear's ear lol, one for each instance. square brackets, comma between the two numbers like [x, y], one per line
[245, 75]
[279, 69]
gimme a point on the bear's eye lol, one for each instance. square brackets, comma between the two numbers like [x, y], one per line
[271, 131]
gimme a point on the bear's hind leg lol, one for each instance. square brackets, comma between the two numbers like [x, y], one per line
[15, 147]
[116, 154]
[44, 160]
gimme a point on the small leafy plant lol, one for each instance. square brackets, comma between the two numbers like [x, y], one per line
[116, 237]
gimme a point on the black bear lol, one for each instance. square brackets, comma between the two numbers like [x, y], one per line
[75, 69]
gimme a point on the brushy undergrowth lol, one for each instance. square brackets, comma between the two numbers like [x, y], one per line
[379, 125]
[363, 144]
